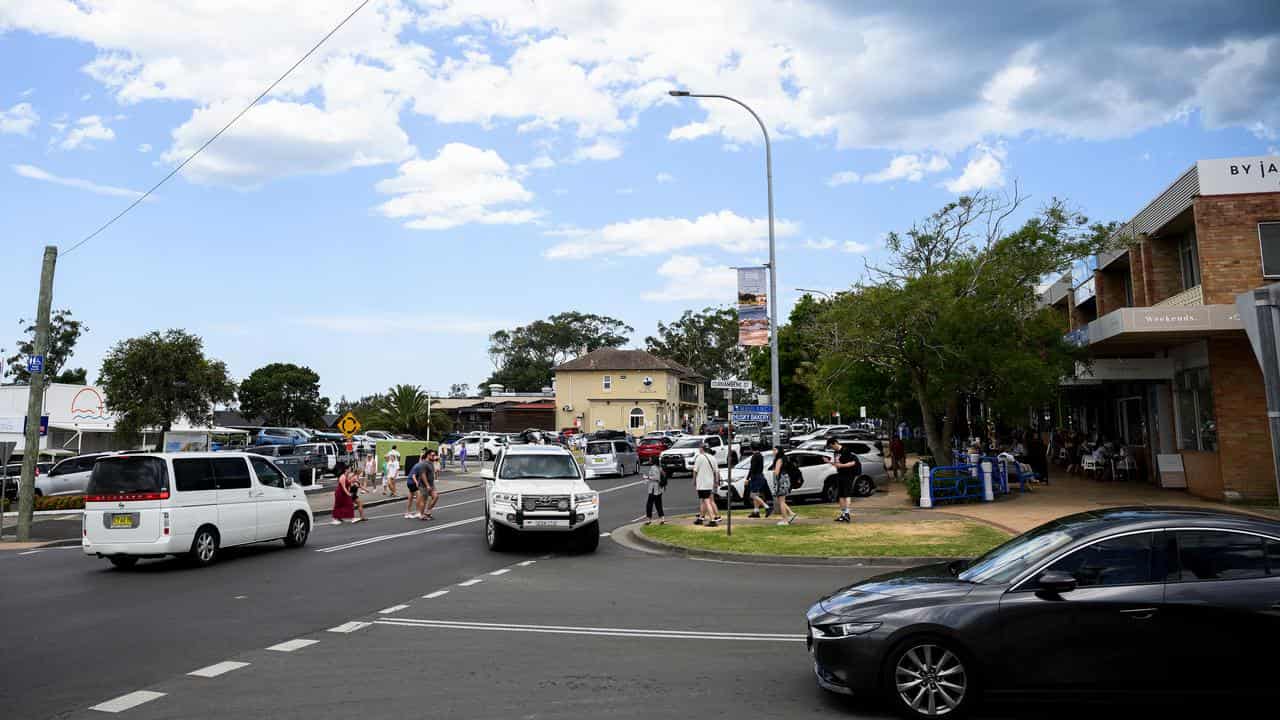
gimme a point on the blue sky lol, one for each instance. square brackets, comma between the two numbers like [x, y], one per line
[441, 170]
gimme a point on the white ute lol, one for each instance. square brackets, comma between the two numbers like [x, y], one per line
[536, 489]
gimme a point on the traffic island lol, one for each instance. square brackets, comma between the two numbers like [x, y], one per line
[875, 537]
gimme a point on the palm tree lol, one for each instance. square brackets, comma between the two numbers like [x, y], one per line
[403, 409]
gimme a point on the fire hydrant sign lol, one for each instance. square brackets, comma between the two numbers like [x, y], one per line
[348, 425]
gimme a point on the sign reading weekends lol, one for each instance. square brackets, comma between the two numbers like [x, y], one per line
[1234, 176]
[753, 303]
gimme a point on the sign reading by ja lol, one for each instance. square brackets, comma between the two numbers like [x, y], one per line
[35, 364]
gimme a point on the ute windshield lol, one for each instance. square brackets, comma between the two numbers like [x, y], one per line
[688, 443]
[539, 467]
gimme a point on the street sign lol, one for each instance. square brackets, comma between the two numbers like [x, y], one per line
[348, 425]
[730, 384]
[752, 408]
[44, 425]
[35, 364]
[750, 413]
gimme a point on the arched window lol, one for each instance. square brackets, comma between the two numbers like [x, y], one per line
[637, 419]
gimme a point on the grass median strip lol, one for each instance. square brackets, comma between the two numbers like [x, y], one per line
[815, 535]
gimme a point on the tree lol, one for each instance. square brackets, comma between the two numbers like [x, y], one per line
[953, 313]
[459, 390]
[706, 341]
[403, 409]
[794, 359]
[153, 380]
[284, 394]
[524, 357]
[64, 332]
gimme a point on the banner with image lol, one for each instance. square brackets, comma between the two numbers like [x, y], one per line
[753, 307]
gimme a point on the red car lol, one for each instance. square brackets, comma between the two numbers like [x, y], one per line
[650, 448]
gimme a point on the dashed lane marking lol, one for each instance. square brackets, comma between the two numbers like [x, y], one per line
[217, 669]
[472, 581]
[503, 571]
[658, 633]
[291, 645]
[125, 702]
[394, 536]
[349, 627]
[434, 595]
[392, 609]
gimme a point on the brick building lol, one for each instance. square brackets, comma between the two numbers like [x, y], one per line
[1172, 374]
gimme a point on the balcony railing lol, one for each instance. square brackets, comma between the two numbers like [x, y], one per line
[1191, 297]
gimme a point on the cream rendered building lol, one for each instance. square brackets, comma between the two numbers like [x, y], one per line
[629, 390]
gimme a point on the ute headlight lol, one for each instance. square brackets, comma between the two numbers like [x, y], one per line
[586, 499]
[840, 630]
[506, 498]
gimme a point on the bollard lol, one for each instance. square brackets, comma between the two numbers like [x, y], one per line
[313, 477]
[926, 491]
[987, 494]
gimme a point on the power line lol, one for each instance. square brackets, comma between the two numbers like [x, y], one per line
[218, 134]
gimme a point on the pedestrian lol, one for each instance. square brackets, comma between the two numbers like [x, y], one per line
[781, 469]
[427, 494]
[756, 485]
[393, 469]
[898, 455]
[847, 466]
[414, 482]
[343, 506]
[353, 486]
[654, 488]
[705, 475]
[462, 456]
[370, 470]
[444, 455]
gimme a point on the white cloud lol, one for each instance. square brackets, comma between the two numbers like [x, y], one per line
[844, 177]
[853, 246]
[19, 119]
[819, 244]
[27, 93]
[602, 149]
[664, 177]
[84, 132]
[144, 148]
[35, 173]
[689, 278]
[984, 170]
[724, 230]
[462, 184]
[911, 168]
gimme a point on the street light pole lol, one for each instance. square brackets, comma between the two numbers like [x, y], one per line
[774, 382]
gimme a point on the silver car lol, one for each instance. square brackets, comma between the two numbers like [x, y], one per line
[69, 477]
[611, 457]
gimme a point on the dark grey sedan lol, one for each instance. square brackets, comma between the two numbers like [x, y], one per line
[1117, 602]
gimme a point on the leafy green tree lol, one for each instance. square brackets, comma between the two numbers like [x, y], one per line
[706, 341]
[284, 394]
[153, 380]
[403, 409]
[795, 358]
[64, 333]
[524, 357]
[459, 390]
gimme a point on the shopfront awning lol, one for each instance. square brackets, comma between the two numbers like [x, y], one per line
[1158, 326]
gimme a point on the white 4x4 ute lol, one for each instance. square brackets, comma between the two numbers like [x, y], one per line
[539, 488]
[679, 457]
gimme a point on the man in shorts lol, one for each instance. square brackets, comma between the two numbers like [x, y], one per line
[427, 484]
[705, 478]
[847, 466]
[415, 482]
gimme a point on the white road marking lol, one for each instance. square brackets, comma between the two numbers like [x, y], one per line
[472, 581]
[604, 534]
[503, 571]
[526, 563]
[349, 627]
[124, 702]
[392, 609]
[218, 669]
[29, 552]
[623, 487]
[382, 538]
[291, 645]
[434, 595]
[659, 633]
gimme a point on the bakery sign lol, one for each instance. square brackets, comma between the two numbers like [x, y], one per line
[1234, 176]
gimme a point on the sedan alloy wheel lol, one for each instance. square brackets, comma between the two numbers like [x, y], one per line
[930, 680]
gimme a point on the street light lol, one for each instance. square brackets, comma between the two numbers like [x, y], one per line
[773, 262]
[823, 293]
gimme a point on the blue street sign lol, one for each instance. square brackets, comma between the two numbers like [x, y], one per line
[44, 425]
[751, 417]
[767, 409]
[35, 364]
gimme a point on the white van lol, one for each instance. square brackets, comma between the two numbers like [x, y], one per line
[192, 504]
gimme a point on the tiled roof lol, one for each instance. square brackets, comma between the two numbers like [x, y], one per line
[615, 359]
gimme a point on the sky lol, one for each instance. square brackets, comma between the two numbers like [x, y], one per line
[440, 170]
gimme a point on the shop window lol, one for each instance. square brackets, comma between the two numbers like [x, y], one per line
[1197, 425]
[1269, 240]
[1189, 259]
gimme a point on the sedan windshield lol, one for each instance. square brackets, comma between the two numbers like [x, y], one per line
[539, 467]
[1005, 562]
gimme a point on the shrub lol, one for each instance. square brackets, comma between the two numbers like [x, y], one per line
[913, 479]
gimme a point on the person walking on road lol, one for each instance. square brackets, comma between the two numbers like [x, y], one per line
[756, 485]
[393, 469]
[847, 466]
[462, 456]
[705, 476]
[427, 494]
[355, 488]
[782, 486]
[653, 498]
[343, 506]
[415, 481]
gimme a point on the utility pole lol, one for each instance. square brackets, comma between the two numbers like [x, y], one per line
[35, 397]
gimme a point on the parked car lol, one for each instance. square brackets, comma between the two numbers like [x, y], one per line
[295, 464]
[650, 447]
[13, 476]
[679, 457]
[817, 478]
[1136, 601]
[539, 489]
[822, 432]
[69, 477]
[493, 444]
[281, 436]
[611, 457]
[193, 504]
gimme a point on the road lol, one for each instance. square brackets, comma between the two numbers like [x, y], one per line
[396, 618]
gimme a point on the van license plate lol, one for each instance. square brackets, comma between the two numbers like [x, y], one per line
[122, 520]
[598, 460]
[546, 523]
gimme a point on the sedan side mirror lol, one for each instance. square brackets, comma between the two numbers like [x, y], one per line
[1056, 582]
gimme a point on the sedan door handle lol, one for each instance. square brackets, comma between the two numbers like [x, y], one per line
[1140, 613]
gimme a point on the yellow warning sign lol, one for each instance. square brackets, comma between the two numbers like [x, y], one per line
[349, 425]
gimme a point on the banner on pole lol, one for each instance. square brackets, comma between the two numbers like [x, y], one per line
[753, 302]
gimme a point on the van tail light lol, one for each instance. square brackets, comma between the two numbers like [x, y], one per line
[128, 497]
[165, 515]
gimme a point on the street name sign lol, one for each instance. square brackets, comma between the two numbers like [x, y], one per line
[730, 384]
[751, 413]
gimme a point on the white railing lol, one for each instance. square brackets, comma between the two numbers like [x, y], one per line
[1187, 298]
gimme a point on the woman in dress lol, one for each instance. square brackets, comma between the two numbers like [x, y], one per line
[344, 507]
[782, 486]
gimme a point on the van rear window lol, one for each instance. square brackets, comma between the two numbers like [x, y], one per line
[128, 475]
[599, 448]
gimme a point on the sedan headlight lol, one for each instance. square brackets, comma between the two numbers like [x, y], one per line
[506, 498]
[586, 499]
[840, 630]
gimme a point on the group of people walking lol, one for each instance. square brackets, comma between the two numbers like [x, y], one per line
[358, 478]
